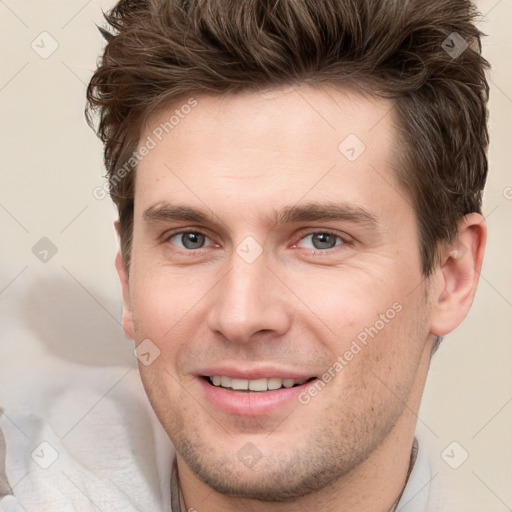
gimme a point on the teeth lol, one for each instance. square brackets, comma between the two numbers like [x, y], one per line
[258, 384]
[255, 384]
[288, 383]
[240, 384]
[274, 383]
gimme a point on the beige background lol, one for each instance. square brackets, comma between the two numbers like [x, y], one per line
[69, 307]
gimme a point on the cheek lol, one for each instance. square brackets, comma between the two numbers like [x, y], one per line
[167, 397]
[170, 310]
[162, 299]
[378, 326]
[349, 301]
[376, 365]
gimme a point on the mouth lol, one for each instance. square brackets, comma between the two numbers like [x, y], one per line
[256, 385]
[261, 396]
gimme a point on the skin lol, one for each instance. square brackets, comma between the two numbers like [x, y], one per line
[240, 158]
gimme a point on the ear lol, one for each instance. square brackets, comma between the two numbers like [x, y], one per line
[125, 287]
[457, 276]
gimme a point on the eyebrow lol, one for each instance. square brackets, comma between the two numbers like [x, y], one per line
[325, 211]
[309, 212]
[166, 212]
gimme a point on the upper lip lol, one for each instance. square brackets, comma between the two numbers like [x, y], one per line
[253, 373]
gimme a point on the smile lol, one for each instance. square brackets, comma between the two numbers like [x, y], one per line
[261, 385]
[261, 396]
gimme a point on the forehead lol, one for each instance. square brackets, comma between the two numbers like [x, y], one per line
[270, 148]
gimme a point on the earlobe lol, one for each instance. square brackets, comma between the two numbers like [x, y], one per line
[125, 287]
[460, 265]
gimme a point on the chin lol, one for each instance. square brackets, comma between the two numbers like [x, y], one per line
[284, 477]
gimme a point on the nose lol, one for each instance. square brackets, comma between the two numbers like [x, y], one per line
[248, 301]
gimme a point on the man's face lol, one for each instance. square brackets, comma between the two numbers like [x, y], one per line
[271, 246]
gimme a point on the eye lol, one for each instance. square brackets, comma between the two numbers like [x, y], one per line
[188, 240]
[321, 240]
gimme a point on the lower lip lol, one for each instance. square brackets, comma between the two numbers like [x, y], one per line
[251, 403]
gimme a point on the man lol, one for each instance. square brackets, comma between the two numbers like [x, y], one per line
[299, 193]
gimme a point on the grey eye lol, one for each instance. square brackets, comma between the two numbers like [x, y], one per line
[321, 240]
[189, 240]
[324, 241]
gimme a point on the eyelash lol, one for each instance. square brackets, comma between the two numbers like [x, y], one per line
[182, 231]
[344, 240]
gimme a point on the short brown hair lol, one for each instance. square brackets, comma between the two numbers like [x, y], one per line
[425, 55]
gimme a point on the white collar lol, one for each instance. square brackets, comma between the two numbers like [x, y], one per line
[417, 490]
